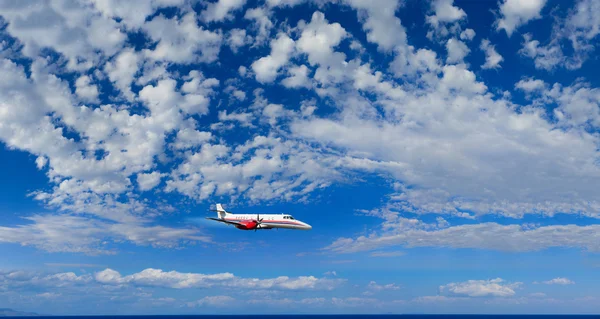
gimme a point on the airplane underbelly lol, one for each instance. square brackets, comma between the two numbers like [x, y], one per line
[281, 225]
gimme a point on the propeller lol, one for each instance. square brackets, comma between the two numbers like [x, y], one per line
[258, 221]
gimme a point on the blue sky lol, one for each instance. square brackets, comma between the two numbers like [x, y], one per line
[445, 153]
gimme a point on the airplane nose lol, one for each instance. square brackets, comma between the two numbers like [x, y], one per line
[308, 227]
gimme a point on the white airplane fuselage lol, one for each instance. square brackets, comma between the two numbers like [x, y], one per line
[260, 221]
[268, 221]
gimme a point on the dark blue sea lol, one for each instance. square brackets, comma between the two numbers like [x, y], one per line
[324, 317]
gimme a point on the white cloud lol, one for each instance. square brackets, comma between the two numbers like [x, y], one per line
[41, 162]
[531, 85]
[122, 69]
[380, 18]
[291, 3]
[454, 99]
[218, 301]
[545, 57]
[451, 127]
[266, 68]
[468, 34]
[445, 21]
[457, 51]
[48, 295]
[181, 40]
[298, 77]
[148, 181]
[70, 28]
[398, 231]
[374, 286]
[579, 29]
[492, 58]
[387, 254]
[559, 281]
[445, 12]
[143, 289]
[64, 233]
[245, 119]
[173, 279]
[235, 93]
[189, 137]
[516, 13]
[457, 77]
[213, 168]
[221, 10]
[237, 38]
[319, 37]
[159, 278]
[482, 288]
[242, 70]
[261, 23]
[132, 13]
[577, 105]
[86, 91]
[583, 24]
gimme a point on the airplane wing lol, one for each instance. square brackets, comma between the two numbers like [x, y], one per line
[224, 221]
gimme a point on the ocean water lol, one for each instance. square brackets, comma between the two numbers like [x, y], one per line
[454, 316]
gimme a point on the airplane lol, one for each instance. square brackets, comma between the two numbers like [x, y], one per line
[256, 222]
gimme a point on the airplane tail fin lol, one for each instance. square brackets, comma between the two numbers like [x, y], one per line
[220, 211]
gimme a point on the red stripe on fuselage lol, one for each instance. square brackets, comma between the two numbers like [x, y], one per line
[266, 221]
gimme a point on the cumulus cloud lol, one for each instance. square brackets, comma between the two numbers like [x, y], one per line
[298, 77]
[85, 90]
[213, 168]
[492, 58]
[221, 10]
[446, 20]
[455, 97]
[467, 35]
[262, 24]
[178, 280]
[457, 50]
[545, 57]
[64, 233]
[143, 289]
[319, 37]
[266, 68]
[374, 286]
[107, 120]
[379, 18]
[482, 288]
[148, 181]
[219, 301]
[181, 40]
[69, 28]
[559, 281]
[132, 14]
[445, 11]
[515, 13]
[575, 33]
[237, 38]
[404, 232]
[583, 24]
[122, 69]
[530, 85]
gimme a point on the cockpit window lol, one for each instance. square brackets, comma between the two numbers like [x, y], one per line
[290, 217]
